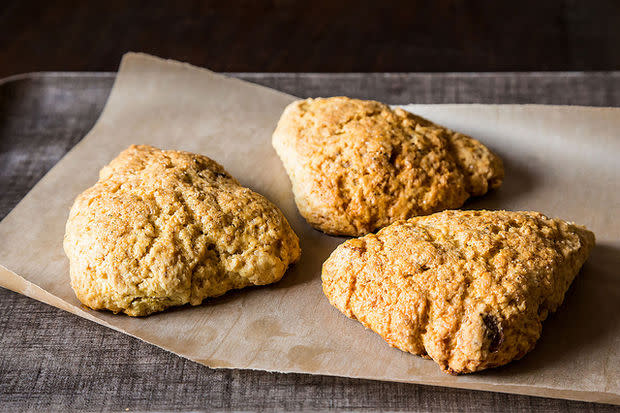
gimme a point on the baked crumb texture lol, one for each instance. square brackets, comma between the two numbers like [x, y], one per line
[167, 228]
[468, 289]
[357, 166]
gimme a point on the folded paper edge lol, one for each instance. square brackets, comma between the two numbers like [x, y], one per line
[18, 284]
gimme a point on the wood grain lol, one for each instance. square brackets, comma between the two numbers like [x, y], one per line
[317, 36]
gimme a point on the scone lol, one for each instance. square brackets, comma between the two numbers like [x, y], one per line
[167, 228]
[356, 165]
[468, 289]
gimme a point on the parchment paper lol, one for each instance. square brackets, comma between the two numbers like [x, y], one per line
[559, 160]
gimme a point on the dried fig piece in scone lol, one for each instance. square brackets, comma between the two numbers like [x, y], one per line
[469, 289]
[167, 228]
[357, 166]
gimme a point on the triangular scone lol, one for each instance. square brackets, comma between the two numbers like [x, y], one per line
[167, 228]
[357, 165]
[468, 289]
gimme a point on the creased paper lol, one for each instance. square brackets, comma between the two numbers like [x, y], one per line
[559, 160]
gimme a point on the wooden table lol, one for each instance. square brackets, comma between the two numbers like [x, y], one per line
[53, 360]
[322, 36]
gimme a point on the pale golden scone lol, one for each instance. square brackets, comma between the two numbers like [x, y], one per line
[468, 289]
[357, 165]
[167, 228]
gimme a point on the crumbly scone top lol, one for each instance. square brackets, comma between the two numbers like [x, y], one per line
[469, 289]
[163, 228]
[358, 165]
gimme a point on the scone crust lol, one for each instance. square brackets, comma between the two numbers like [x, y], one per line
[469, 289]
[357, 165]
[167, 228]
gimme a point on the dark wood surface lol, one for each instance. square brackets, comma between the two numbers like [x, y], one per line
[317, 36]
[53, 360]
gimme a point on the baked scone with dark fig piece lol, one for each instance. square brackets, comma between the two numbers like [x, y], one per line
[167, 228]
[359, 165]
[468, 289]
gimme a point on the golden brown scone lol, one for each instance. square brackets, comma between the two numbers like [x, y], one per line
[167, 228]
[358, 165]
[468, 289]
